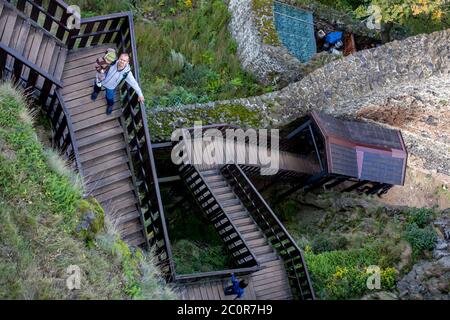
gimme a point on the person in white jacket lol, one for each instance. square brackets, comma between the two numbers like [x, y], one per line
[118, 71]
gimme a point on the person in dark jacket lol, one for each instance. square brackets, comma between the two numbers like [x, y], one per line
[236, 288]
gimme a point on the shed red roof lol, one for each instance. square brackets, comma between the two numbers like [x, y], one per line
[363, 150]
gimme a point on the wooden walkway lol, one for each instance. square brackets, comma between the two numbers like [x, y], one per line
[270, 283]
[287, 161]
[101, 143]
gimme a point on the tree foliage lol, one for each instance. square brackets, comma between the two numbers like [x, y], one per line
[399, 11]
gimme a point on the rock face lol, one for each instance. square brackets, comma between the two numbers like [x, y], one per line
[269, 64]
[431, 279]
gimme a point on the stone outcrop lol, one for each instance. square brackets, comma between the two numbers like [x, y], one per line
[431, 279]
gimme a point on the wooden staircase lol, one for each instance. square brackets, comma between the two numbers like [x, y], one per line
[230, 217]
[102, 151]
[102, 147]
[271, 282]
[30, 41]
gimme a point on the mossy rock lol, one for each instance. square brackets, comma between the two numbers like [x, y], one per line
[92, 219]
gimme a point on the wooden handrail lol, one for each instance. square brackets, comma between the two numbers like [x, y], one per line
[147, 143]
[216, 274]
[106, 17]
[16, 55]
[71, 132]
[220, 212]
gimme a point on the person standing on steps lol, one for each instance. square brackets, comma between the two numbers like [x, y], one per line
[117, 72]
[237, 287]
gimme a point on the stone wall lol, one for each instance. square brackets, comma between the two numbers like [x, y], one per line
[417, 68]
[269, 64]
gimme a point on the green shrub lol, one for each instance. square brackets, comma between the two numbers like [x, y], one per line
[192, 257]
[421, 216]
[343, 274]
[323, 244]
[421, 239]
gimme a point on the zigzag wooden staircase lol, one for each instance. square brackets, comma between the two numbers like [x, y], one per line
[113, 154]
[235, 208]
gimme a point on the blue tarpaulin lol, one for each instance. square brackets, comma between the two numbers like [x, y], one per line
[296, 30]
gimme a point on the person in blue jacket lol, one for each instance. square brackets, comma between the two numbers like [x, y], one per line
[332, 40]
[237, 287]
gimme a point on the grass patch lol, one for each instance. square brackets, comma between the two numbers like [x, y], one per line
[40, 210]
[163, 122]
[196, 245]
[186, 54]
[343, 235]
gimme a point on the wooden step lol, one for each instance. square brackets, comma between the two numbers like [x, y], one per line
[105, 158]
[124, 211]
[213, 172]
[85, 53]
[256, 234]
[283, 295]
[243, 221]
[106, 173]
[221, 190]
[76, 64]
[110, 180]
[86, 85]
[99, 111]
[79, 78]
[96, 120]
[97, 129]
[88, 68]
[100, 137]
[248, 228]
[110, 190]
[85, 103]
[267, 257]
[225, 196]
[230, 203]
[257, 242]
[100, 144]
[96, 171]
[215, 178]
[238, 215]
[102, 151]
[262, 250]
[217, 184]
[129, 227]
[134, 239]
[234, 208]
[110, 195]
[121, 202]
[272, 286]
